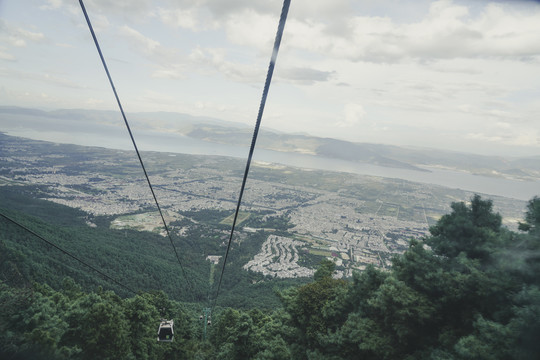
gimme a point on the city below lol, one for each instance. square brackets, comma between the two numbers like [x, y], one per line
[354, 220]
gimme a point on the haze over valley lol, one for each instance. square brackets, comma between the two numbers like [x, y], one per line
[352, 219]
[515, 177]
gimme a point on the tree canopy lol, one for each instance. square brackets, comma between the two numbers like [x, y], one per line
[470, 290]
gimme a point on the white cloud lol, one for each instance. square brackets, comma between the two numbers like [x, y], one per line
[304, 75]
[100, 23]
[193, 18]
[172, 72]
[134, 9]
[215, 59]
[320, 9]
[515, 138]
[94, 102]
[139, 41]
[503, 125]
[52, 5]
[169, 64]
[353, 115]
[179, 18]
[40, 77]
[425, 67]
[5, 55]
[147, 46]
[64, 6]
[250, 28]
[151, 100]
[447, 31]
[222, 10]
[203, 105]
[16, 36]
[64, 45]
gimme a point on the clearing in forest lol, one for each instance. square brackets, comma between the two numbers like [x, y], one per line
[242, 216]
[150, 221]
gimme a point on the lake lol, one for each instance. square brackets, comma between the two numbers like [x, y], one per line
[117, 138]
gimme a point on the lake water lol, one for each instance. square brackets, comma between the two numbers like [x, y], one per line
[164, 142]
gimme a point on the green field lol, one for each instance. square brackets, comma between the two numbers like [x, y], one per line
[320, 252]
[242, 216]
[143, 222]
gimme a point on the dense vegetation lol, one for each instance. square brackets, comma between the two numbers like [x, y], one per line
[142, 261]
[470, 290]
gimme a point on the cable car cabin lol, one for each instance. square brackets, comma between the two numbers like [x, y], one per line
[166, 331]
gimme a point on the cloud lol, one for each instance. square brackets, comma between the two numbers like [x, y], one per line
[250, 28]
[353, 115]
[167, 62]
[5, 55]
[147, 46]
[503, 125]
[448, 30]
[452, 68]
[170, 65]
[52, 5]
[514, 138]
[134, 9]
[94, 102]
[215, 59]
[209, 61]
[304, 75]
[138, 40]
[41, 77]
[213, 106]
[183, 18]
[64, 45]
[222, 10]
[501, 114]
[16, 36]
[65, 6]
[100, 23]
[172, 72]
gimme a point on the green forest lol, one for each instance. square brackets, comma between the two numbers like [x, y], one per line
[469, 290]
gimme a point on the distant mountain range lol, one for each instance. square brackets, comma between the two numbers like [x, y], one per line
[226, 132]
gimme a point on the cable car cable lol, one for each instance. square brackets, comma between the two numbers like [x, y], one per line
[69, 254]
[133, 141]
[277, 42]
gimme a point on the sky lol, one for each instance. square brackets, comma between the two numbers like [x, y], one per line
[449, 74]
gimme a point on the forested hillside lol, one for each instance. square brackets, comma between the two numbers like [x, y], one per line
[470, 290]
[139, 260]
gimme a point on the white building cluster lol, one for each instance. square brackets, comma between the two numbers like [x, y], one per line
[279, 258]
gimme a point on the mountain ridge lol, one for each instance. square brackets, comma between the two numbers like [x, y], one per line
[214, 130]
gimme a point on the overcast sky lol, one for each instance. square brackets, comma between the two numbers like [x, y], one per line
[452, 74]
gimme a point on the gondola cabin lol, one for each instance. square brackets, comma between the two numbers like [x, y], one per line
[166, 330]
